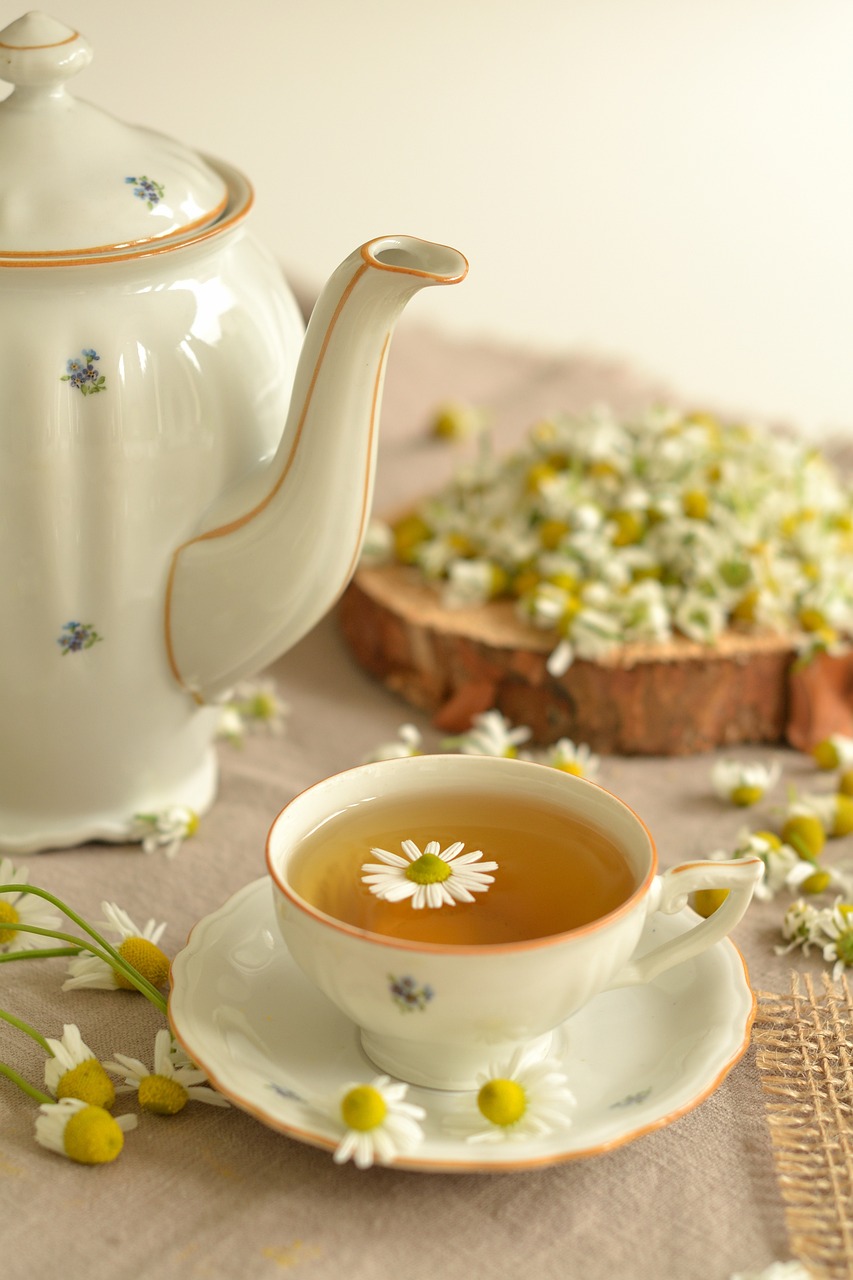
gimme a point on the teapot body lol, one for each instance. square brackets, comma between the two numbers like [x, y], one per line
[135, 391]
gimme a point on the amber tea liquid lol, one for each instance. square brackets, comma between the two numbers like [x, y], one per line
[554, 873]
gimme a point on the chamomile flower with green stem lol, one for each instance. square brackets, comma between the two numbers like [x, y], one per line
[136, 948]
[125, 973]
[170, 1085]
[20, 907]
[524, 1098]
[378, 1123]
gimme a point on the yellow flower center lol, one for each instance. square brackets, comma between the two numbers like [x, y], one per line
[89, 1082]
[826, 755]
[571, 766]
[630, 527]
[551, 533]
[843, 823]
[695, 504]
[8, 915]
[744, 795]
[817, 882]
[428, 869]
[163, 1095]
[147, 959]
[92, 1136]
[363, 1108]
[502, 1102]
[804, 833]
[707, 901]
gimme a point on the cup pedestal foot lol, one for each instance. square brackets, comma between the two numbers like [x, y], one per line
[453, 1067]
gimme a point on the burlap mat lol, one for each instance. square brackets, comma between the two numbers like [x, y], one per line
[805, 1060]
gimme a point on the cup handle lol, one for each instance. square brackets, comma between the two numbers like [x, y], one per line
[669, 893]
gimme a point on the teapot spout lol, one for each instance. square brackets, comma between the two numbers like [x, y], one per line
[274, 553]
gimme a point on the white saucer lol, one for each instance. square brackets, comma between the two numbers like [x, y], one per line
[636, 1059]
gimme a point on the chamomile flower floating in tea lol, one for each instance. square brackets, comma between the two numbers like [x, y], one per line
[173, 1082]
[434, 878]
[379, 1124]
[82, 1132]
[524, 1099]
[25, 909]
[137, 946]
[75, 1072]
[741, 783]
[491, 735]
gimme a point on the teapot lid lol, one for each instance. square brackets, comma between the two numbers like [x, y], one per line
[74, 179]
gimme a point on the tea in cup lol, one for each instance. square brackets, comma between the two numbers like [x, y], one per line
[458, 907]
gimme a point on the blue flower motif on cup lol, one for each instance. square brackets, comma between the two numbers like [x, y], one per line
[76, 636]
[83, 373]
[147, 189]
[407, 994]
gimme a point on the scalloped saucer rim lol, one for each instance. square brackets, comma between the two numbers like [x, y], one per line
[637, 1058]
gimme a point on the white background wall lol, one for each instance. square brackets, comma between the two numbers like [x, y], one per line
[663, 180]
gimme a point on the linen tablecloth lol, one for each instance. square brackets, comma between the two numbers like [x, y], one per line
[213, 1193]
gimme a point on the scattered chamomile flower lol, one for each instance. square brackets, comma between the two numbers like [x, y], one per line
[491, 735]
[431, 879]
[804, 831]
[407, 743]
[457, 421]
[801, 927]
[783, 867]
[259, 705]
[379, 1124]
[166, 830]
[570, 757]
[744, 784]
[23, 908]
[231, 726]
[137, 946]
[836, 924]
[522, 1099]
[834, 752]
[172, 1083]
[81, 1131]
[845, 783]
[835, 812]
[75, 1072]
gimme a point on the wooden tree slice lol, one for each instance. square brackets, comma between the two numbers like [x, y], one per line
[665, 699]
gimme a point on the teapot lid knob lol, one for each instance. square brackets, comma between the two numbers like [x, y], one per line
[36, 50]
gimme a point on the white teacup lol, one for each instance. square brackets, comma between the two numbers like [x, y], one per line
[487, 1000]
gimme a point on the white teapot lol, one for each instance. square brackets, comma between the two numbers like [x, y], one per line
[181, 500]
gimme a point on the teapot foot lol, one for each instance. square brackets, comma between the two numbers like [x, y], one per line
[22, 832]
